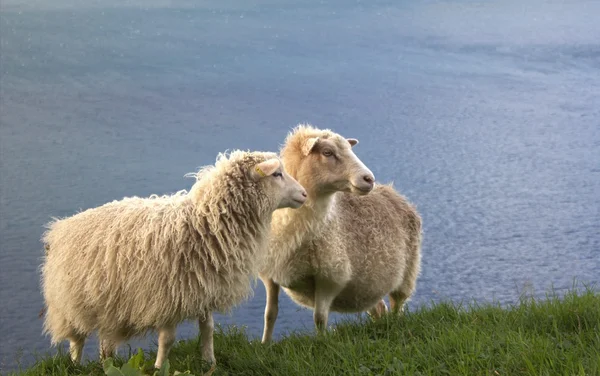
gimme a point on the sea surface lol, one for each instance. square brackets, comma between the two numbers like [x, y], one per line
[485, 114]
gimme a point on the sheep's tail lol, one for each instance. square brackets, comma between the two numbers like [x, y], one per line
[43, 310]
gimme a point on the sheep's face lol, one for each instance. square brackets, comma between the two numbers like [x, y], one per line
[285, 190]
[329, 165]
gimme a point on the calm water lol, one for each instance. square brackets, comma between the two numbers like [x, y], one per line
[485, 114]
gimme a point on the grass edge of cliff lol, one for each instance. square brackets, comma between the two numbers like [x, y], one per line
[555, 335]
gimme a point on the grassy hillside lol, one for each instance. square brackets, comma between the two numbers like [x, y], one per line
[550, 337]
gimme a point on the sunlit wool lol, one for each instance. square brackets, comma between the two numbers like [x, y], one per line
[142, 263]
[361, 248]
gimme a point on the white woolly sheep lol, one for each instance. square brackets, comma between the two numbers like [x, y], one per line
[350, 245]
[141, 264]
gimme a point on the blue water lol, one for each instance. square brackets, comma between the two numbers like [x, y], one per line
[486, 114]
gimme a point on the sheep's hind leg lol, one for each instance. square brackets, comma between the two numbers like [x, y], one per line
[76, 342]
[207, 327]
[379, 310]
[166, 339]
[271, 308]
[397, 300]
[325, 292]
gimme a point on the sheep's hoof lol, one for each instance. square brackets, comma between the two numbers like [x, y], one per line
[382, 308]
[211, 370]
[378, 311]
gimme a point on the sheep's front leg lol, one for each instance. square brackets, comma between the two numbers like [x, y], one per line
[325, 293]
[271, 308]
[166, 339]
[207, 327]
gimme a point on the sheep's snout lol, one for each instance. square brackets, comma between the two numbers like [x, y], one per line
[294, 194]
[369, 182]
[363, 183]
[361, 179]
[299, 198]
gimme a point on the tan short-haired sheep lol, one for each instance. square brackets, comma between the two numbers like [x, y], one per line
[351, 244]
[140, 264]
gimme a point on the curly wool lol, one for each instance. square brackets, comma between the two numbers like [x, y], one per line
[140, 263]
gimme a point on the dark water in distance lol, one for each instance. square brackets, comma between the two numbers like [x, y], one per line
[485, 114]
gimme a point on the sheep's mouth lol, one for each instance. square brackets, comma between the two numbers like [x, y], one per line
[361, 190]
[299, 202]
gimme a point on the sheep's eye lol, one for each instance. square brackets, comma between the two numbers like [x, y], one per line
[277, 174]
[327, 153]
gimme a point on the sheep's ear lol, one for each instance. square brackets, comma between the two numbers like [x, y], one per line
[352, 141]
[265, 168]
[309, 145]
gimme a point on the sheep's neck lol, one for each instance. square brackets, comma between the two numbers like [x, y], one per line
[293, 228]
[252, 231]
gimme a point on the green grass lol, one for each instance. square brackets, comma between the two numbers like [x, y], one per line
[547, 337]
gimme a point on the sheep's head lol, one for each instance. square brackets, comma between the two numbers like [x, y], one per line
[256, 177]
[287, 192]
[323, 162]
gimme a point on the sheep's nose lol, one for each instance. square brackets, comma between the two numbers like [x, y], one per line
[304, 194]
[369, 179]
